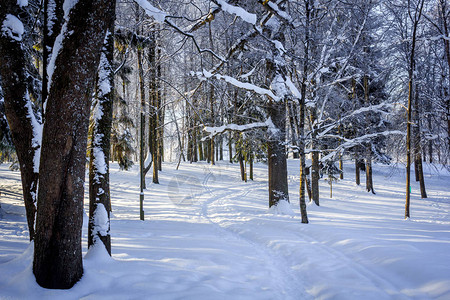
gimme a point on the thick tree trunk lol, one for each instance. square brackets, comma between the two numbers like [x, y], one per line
[57, 256]
[278, 185]
[99, 192]
[25, 129]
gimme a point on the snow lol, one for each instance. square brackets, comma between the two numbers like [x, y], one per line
[101, 221]
[243, 85]
[278, 86]
[238, 11]
[223, 242]
[152, 11]
[13, 28]
[22, 3]
[103, 71]
[37, 135]
[213, 131]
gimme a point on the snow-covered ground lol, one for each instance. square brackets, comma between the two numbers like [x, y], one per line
[207, 235]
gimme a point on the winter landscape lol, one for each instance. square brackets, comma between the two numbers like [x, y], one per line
[225, 149]
[209, 235]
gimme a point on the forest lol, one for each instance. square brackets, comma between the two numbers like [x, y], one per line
[324, 89]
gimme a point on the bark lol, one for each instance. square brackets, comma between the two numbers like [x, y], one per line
[251, 166]
[278, 186]
[230, 148]
[315, 164]
[242, 167]
[369, 178]
[18, 111]
[154, 107]
[58, 257]
[99, 191]
[357, 172]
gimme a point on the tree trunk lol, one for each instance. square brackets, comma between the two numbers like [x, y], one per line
[57, 256]
[230, 148]
[251, 167]
[241, 166]
[24, 127]
[142, 123]
[369, 179]
[418, 165]
[99, 192]
[315, 166]
[301, 124]
[315, 176]
[278, 185]
[357, 171]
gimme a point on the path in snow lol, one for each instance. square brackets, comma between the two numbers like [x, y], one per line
[208, 235]
[318, 264]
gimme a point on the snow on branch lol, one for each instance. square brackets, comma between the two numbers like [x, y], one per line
[213, 131]
[13, 28]
[273, 8]
[162, 17]
[244, 85]
[372, 108]
[152, 11]
[236, 10]
[349, 143]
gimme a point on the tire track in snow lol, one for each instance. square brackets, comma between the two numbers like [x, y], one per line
[287, 282]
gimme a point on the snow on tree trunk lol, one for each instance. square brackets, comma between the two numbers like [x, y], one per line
[25, 128]
[58, 258]
[278, 185]
[53, 21]
[99, 192]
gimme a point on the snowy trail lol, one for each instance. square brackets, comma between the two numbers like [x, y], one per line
[288, 283]
[208, 235]
[320, 263]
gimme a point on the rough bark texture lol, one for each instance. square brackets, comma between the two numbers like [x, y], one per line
[18, 109]
[278, 186]
[99, 192]
[57, 257]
